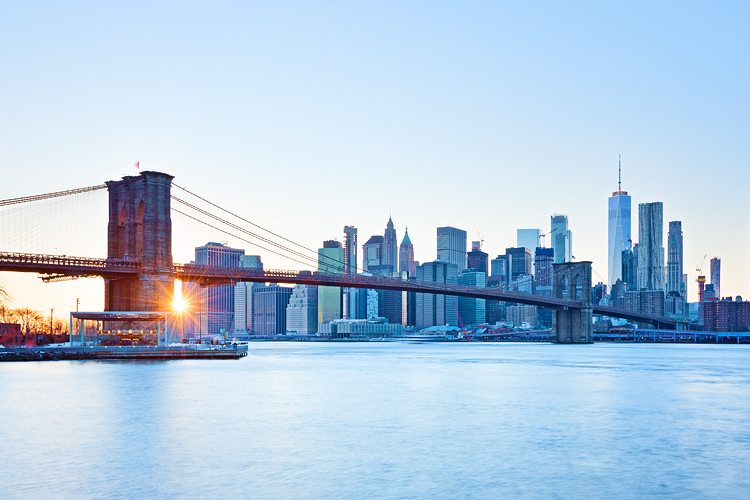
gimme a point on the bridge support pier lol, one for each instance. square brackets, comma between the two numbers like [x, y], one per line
[140, 230]
[572, 281]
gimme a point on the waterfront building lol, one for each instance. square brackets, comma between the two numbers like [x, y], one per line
[674, 259]
[543, 271]
[618, 232]
[520, 314]
[472, 311]
[529, 238]
[213, 307]
[716, 275]
[432, 309]
[519, 261]
[269, 309]
[360, 329]
[302, 311]
[406, 255]
[349, 301]
[562, 238]
[645, 301]
[243, 296]
[726, 315]
[650, 247]
[392, 303]
[477, 259]
[451, 246]
[330, 260]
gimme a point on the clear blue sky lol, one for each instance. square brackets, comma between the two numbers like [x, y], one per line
[488, 116]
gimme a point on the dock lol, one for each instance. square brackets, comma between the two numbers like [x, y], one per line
[137, 353]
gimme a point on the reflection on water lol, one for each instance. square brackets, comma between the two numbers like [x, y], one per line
[384, 420]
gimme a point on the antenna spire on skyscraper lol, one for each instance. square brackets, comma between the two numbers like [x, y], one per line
[619, 172]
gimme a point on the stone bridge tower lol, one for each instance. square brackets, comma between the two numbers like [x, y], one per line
[140, 229]
[572, 281]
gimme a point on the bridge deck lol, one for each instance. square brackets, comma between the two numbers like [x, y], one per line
[61, 266]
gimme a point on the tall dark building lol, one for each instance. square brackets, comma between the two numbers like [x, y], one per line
[543, 271]
[630, 268]
[499, 269]
[674, 258]
[519, 261]
[432, 309]
[477, 260]
[214, 306]
[269, 309]
[390, 247]
[349, 300]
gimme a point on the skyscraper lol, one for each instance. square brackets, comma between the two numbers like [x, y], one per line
[350, 250]
[630, 267]
[619, 228]
[674, 258]
[499, 269]
[406, 255]
[562, 238]
[451, 246]
[650, 247]
[477, 259]
[243, 296]
[473, 311]
[528, 238]
[214, 305]
[330, 260]
[373, 252]
[716, 276]
[543, 271]
[269, 309]
[432, 309]
[519, 261]
[302, 310]
[390, 246]
[350, 267]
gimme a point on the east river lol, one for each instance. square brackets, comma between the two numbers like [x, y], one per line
[384, 420]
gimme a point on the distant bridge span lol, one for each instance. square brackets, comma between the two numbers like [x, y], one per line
[62, 267]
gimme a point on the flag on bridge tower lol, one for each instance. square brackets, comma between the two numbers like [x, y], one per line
[138, 164]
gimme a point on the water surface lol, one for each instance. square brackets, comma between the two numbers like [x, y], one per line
[384, 420]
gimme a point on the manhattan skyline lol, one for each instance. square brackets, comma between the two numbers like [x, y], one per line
[491, 129]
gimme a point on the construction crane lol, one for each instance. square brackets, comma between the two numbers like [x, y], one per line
[700, 268]
[459, 316]
[481, 240]
[542, 236]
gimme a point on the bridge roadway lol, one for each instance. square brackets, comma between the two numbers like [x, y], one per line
[60, 267]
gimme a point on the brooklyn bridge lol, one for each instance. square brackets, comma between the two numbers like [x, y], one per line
[139, 273]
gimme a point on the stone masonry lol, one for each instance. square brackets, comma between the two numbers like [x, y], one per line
[140, 229]
[572, 281]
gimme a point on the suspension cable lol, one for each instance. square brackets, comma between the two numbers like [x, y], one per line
[238, 228]
[240, 238]
[318, 254]
[57, 194]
